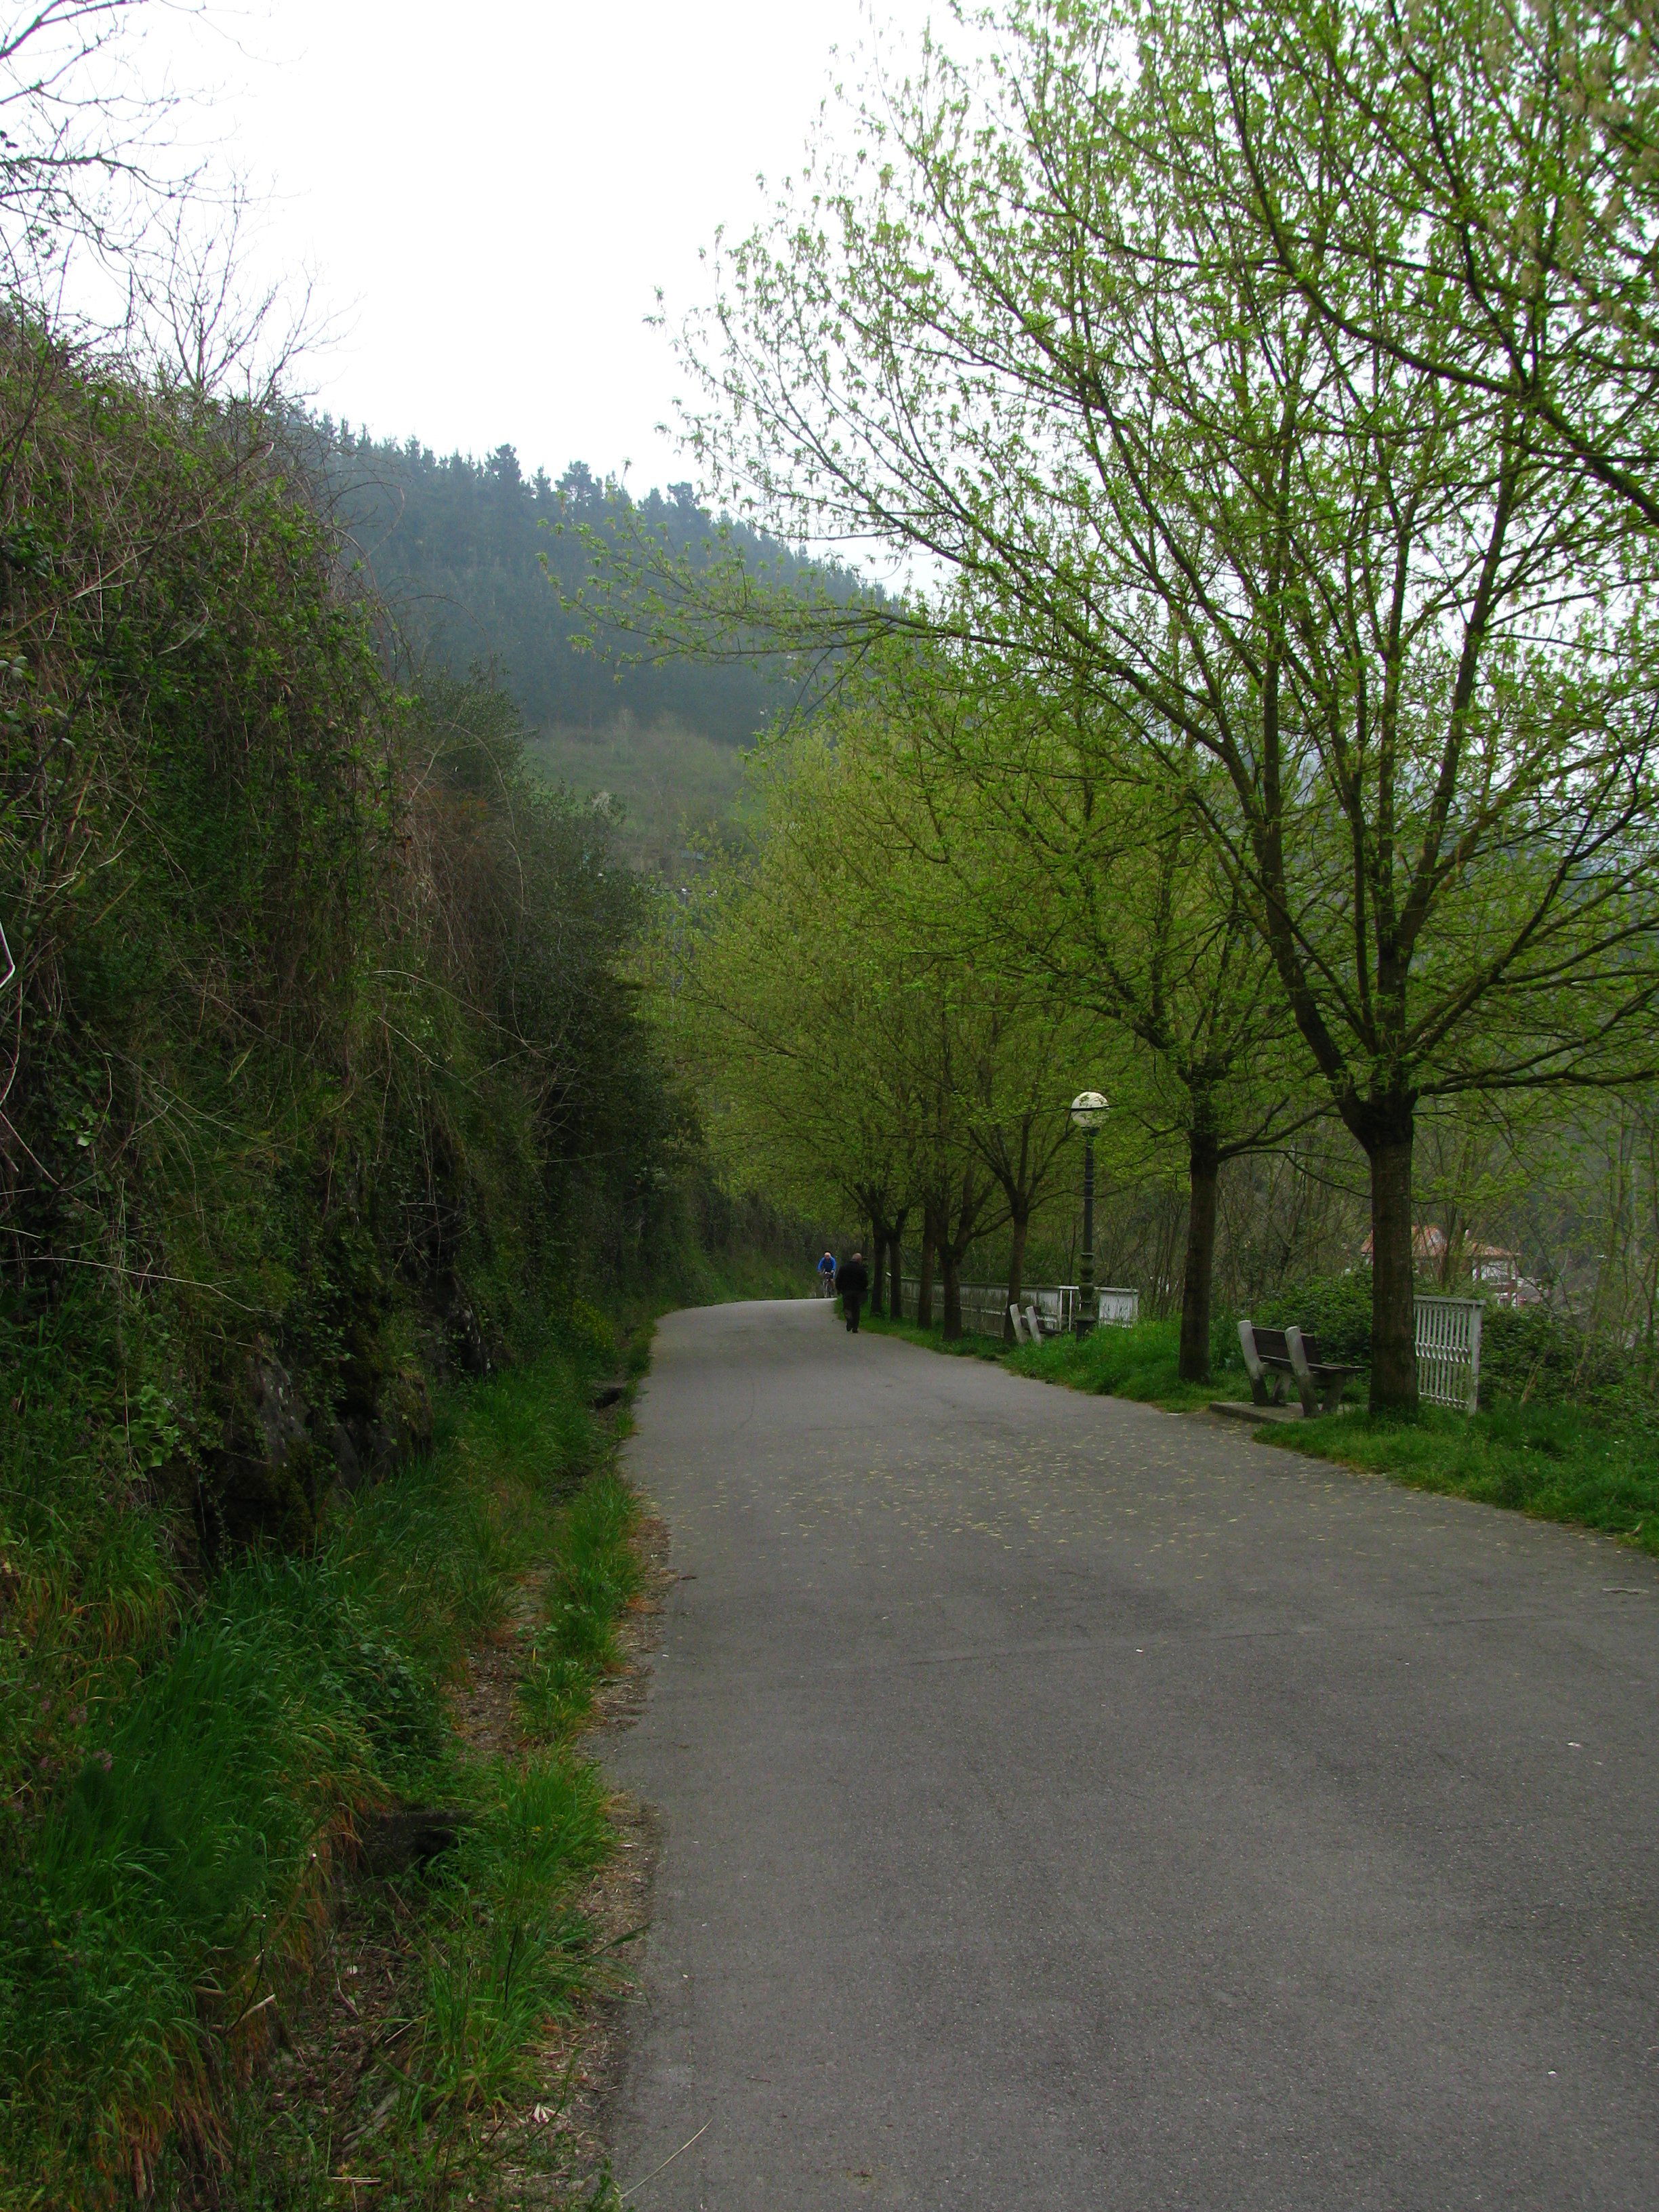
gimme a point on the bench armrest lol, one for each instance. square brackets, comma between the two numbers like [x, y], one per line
[1247, 1346]
[1306, 1388]
[1320, 1388]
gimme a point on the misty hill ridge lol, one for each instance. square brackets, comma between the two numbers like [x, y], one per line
[456, 546]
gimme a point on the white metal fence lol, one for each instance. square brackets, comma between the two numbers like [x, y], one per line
[1449, 1353]
[1448, 1329]
[985, 1306]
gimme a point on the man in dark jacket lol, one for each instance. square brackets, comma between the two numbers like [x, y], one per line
[853, 1281]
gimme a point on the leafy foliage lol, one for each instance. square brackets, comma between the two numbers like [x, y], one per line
[321, 1079]
[1337, 1309]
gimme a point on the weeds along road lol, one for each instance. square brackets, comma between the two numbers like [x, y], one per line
[1068, 1805]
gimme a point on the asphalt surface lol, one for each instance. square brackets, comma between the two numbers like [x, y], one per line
[1069, 1805]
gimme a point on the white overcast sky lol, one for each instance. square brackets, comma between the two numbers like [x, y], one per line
[487, 194]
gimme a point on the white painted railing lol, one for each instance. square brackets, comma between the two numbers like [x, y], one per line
[1448, 1329]
[1449, 1353]
[985, 1306]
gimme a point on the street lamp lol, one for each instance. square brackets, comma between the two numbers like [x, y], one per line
[1088, 1114]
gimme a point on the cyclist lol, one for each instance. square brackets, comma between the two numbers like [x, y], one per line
[827, 1276]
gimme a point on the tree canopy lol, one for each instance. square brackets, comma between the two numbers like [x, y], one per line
[1153, 358]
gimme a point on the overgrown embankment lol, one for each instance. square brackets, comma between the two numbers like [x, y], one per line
[162, 1932]
[322, 1087]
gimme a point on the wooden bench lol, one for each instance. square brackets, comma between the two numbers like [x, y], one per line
[1276, 1356]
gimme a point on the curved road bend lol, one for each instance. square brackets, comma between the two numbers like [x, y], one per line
[1070, 1806]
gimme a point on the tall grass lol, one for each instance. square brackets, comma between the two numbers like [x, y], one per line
[1553, 1463]
[180, 1873]
[507, 1952]
[595, 1575]
[1139, 1363]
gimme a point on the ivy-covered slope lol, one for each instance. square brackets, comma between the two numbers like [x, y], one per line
[320, 1075]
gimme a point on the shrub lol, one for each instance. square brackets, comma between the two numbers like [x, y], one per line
[1337, 1309]
[1538, 1357]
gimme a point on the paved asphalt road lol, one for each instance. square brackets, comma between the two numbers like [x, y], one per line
[1071, 1806]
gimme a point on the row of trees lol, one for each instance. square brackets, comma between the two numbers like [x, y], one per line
[1264, 395]
[851, 1064]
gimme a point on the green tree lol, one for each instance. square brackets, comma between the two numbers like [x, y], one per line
[842, 1051]
[1018, 334]
[1502, 164]
[1057, 858]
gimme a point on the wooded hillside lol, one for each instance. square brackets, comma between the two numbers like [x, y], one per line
[321, 1082]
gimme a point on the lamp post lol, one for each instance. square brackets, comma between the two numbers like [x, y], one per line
[1088, 1114]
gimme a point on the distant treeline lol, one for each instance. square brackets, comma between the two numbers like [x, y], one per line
[456, 546]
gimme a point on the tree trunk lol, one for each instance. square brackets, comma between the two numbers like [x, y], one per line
[1394, 1294]
[1453, 1253]
[874, 1249]
[1203, 1171]
[925, 1284]
[1021, 1226]
[952, 1265]
[895, 1269]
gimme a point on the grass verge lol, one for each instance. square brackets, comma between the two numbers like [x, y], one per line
[163, 1924]
[932, 1340]
[1549, 1461]
[1137, 1363]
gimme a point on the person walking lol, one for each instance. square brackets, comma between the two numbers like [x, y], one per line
[827, 1276]
[853, 1281]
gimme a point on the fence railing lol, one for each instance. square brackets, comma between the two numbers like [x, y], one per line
[1449, 1353]
[985, 1306]
[1448, 1329]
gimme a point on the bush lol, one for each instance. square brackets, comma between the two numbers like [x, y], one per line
[1539, 1357]
[1336, 1309]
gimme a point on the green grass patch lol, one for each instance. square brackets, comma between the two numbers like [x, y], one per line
[596, 1573]
[506, 1953]
[184, 1866]
[1137, 1363]
[932, 1340]
[1551, 1461]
